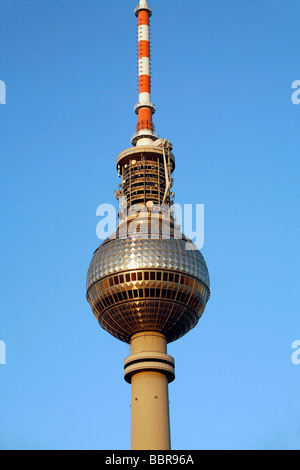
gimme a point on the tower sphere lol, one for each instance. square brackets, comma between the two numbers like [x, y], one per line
[146, 282]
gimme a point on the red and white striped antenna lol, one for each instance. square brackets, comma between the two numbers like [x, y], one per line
[145, 109]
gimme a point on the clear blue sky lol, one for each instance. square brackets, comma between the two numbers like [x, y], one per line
[222, 75]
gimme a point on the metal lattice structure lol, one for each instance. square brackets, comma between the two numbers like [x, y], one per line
[146, 174]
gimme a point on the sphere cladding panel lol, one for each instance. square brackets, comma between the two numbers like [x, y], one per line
[122, 255]
[166, 304]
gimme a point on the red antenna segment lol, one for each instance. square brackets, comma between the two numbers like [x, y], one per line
[144, 108]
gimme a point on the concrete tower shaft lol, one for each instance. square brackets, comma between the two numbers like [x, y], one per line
[149, 369]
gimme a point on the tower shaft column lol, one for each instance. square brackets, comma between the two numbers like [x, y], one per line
[150, 423]
[149, 370]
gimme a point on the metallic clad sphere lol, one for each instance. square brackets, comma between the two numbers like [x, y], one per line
[147, 283]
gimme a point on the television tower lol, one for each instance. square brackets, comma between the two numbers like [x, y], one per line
[146, 285]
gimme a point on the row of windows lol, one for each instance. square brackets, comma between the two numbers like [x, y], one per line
[144, 164]
[149, 276]
[136, 294]
[141, 184]
[144, 175]
[146, 170]
[140, 177]
[144, 292]
[143, 191]
[141, 180]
